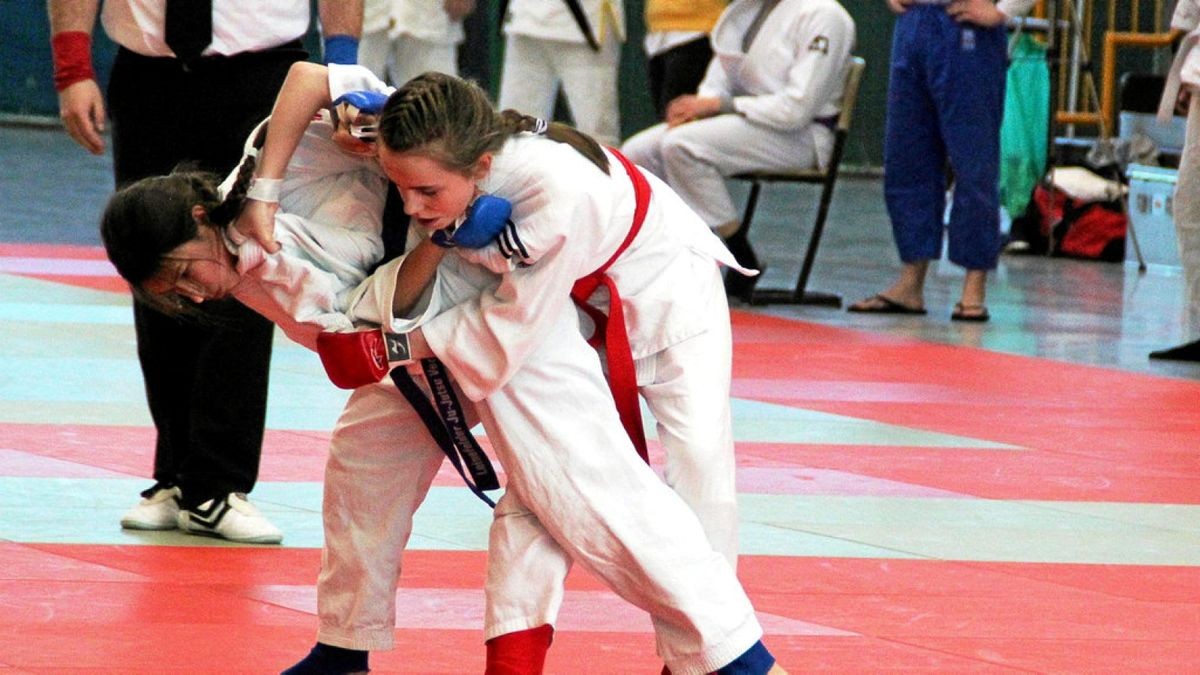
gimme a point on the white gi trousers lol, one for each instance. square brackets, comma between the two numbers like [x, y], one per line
[1187, 215]
[412, 56]
[381, 464]
[534, 68]
[373, 50]
[694, 158]
[687, 389]
[576, 489]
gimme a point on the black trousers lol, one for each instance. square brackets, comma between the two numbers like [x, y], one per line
[206, 380]
[677, 71]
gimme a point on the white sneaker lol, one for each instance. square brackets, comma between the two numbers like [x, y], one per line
[158, 510]
[232, 517]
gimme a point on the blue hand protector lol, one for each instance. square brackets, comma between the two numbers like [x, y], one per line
[485, 219]
[369, 102]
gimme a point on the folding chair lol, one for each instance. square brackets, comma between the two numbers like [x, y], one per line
[826, 179]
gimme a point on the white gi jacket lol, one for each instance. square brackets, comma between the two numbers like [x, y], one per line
[570, 219]
[326, 251]
[782, 81]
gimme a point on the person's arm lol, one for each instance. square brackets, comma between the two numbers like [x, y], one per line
[341, 25]
[414, 276]
[307, 89]
[458, 10]
[304, 92]
[979, 12]
[821, 44]
[80, 104]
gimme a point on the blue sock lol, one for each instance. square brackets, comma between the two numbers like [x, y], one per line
[754, 661]
[329, 660]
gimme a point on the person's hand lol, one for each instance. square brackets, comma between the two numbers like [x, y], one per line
[899, 6]
[356, 121]
[81, 108]
[349, 143]
[458, 9]
[690, 107]
[257, 222]
[979, 12]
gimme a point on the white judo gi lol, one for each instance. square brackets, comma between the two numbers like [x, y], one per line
[793, 74]
[545, 47]
[574, 479]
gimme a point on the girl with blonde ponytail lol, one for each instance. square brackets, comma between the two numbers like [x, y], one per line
[502, 320]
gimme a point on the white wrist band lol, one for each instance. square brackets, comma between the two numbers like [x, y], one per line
[265, 189]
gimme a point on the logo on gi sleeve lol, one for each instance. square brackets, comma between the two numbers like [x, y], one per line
[819, 44]
[397, 347]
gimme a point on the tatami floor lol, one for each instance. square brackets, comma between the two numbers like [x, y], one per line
[917, 495]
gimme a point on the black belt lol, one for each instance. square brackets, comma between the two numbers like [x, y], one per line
[829, 122]
[448, 426]
[215, 59]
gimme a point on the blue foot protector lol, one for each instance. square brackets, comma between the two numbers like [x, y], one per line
[754, 661]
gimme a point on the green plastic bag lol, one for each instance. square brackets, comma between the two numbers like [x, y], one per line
[1026, 120]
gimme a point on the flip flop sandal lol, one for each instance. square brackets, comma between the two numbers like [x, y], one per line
[971, 313]
[884, 305]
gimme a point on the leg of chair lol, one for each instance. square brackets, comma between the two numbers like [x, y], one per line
[800, 296]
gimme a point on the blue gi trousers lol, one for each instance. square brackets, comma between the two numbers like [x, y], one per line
[945, 102]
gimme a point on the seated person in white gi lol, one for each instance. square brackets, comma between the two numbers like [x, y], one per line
[769, 101]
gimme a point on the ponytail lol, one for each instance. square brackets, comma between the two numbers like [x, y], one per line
[556, 131]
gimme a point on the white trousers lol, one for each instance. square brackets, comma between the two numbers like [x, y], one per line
[398, 60]
[373, 48]
[412, 56]
[534, 69]
[576, 489]
[381, 464]
[696, 157]
[1187, 215]
[686, 387]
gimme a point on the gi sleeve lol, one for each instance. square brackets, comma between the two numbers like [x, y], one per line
[716, 80]
[821, 43]
[297, 289]
[344, 78]
[487, 338]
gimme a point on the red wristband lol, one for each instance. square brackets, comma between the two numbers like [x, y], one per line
[72, 58]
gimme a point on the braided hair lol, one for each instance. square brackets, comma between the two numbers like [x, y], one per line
[452, 121]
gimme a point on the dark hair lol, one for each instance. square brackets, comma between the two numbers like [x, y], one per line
[146, 220]
[452, 121]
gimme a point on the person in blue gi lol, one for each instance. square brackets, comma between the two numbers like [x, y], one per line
[945, 104]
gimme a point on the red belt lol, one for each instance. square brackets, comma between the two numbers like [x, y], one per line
[610, 330]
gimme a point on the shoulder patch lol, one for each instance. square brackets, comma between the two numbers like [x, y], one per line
[819, 44]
